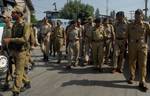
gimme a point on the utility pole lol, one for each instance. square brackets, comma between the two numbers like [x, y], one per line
[55, 6]
[107, 7]
[146, 8]
[131, 14]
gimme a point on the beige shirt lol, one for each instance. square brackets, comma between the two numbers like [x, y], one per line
[120, 30]
[138, 31]
[98, 33]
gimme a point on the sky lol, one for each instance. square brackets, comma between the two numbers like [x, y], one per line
[117, 5]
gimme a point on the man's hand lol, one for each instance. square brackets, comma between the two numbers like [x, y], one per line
[7, 40]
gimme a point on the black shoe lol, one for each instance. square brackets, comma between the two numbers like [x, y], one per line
[23, 89]
[6, 87]
[119, 70]
[27, 85]
[143, 87]
[100, 70]
[68, 67]
[130, 81]
[15, 94]
[58, 62]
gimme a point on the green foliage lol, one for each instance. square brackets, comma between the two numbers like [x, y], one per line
[33, 19]
[75, 9]
[97, 13]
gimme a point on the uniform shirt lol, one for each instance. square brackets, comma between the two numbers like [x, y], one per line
[138, 31]
[45, 29]
[120, 30]
[109, 31]
[74, 34]
[59, 32]
[20, 35]
[6, 34]
[98, 33]
[88, 30]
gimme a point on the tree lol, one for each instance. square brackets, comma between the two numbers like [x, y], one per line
[33, 19]
[97, 13]
[75, 9]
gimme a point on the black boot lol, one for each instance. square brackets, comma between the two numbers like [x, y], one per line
[6, 87]
[15, 94]
[44, 57]
[143, 87]
[26, 86]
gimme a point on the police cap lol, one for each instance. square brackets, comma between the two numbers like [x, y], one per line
[97, 20]
[120, 13]
[138, 12]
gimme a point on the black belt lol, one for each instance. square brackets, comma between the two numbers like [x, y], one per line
[118, 38]
[97, 40]
[73, 40]
[137, 40]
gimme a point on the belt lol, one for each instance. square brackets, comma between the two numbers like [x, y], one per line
[118, 38]
[73, 40]
[59, 37]
[137, 40]
[97, 40]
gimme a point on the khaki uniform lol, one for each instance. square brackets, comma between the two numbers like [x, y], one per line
[45, 41]
[98, 36]
[8, 51]
[110, 35]
[73, 46]
[120, 45]
[31, 42]
[137, 37]
[52, 42]
[59, 36]
[81, 53]
[87, 37]
[19, 40]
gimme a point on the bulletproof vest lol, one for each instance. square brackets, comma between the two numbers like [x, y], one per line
[18, 32]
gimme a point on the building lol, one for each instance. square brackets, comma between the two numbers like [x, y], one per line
[52, 14]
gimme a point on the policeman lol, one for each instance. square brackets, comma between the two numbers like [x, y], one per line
[120, 42]
[137, 46]
[87, 37]
[7, 49]
[31, 43]
[60, 37]
[45, 31]
[81, 28]
[110, 36]
[52, 39]
[73, 36]
[18, 41]
[98, 36]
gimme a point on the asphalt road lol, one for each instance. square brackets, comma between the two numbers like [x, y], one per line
[51, 79]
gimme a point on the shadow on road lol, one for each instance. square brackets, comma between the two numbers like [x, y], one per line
[114, 84]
